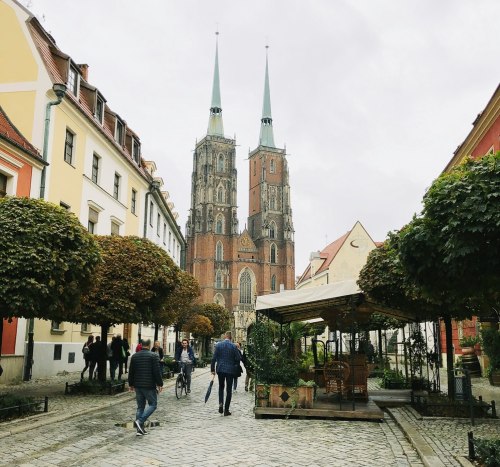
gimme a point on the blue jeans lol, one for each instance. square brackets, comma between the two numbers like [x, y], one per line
[225, 379]
[141, 396]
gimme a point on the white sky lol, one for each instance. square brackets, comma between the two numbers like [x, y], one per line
[370, 97]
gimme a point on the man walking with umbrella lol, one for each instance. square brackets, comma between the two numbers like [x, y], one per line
[227, 357]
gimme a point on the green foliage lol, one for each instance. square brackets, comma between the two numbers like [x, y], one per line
[391, 345]
[391, 378]
[469, 341]
[491, 346]
[220, 318]
[46, 259]
[453, 249]
[488, 451]
[199, 325]
[131, 284]
[417, 351]
[12, 405]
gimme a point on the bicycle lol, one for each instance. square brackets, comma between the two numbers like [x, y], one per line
[181, 382]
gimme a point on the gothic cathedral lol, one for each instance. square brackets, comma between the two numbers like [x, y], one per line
[233, 268]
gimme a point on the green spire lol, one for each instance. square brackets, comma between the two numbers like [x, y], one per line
[215, 126]
[266, 127]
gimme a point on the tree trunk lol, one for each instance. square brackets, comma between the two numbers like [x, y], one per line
[157, 327]
[102, 363]
[1, 335]
[379, 335]
[449, 357]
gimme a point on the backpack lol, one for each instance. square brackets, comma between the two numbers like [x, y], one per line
[85, 349]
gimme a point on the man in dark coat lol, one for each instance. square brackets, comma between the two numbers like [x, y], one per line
[228, 357]
[144, 377]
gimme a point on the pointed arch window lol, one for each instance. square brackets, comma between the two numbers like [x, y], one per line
[272, 166]
[273, 254]
[245, 288]
[221, 197]
[219, 224]
[272, 229]
[219, 252]
[220, 163]
[219, 299]
[273, 283]
[272, 202]
[218, 280]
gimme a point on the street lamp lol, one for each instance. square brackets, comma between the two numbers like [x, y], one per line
[60, 91]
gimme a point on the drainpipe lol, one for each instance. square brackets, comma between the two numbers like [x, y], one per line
[60, 91]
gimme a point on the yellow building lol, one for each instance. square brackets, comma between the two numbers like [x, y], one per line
[95, 166]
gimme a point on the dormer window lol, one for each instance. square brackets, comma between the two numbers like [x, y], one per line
[136, 151]
[119, 132]
[99, 110]
[73, 80]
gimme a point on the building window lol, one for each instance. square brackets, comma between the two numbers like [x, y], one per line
[255, 167]
[273, 253]
[3, 185]
[220, 163]
[95, 168]
[218, 280]
[119, 132]
[65, 206]
[219, 224]
[219, 252]
[133, 201]
[99, 110]
[69, 146]
[57, 351]
[151, 207]
[93, 219]
[136, 151]
[73, 81]
[273, 283]
[158, 225]
[174, 249]
[86, 327]
[169, 241]
[115, 228]
[272, 230]
[245, 288]
[220, 195]
[116, 186]
[272, 203]
[272, 166]
[55, 326]
[164, 233]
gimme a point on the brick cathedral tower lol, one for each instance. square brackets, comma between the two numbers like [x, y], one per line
[233, 268]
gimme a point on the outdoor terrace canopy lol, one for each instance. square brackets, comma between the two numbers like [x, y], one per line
[339, 302]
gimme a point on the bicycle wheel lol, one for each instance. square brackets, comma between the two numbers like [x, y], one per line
[178, 386]
[184, 382]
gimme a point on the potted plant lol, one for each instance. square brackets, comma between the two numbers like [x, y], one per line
[467, 343]
[491, 347]
[392, 379]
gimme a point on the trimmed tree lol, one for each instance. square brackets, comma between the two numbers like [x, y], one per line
[131, 285]
[46, 262]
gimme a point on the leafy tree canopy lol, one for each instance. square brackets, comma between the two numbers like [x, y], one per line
[219, 317]
[199, 325]
[46, 259]
[454, 246]
[131, 284]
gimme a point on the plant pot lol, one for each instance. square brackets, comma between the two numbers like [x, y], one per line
[262, 395]
[468, 351]
[294, 397]
[495, 378]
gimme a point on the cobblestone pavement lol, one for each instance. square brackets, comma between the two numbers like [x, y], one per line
[192, 433]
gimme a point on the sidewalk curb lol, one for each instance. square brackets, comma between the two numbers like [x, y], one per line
[35, 421]
[424, 450]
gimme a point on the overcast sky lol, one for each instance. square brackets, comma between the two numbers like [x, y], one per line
[370, 97]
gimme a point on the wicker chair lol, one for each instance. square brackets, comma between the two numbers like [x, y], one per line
[336, 375]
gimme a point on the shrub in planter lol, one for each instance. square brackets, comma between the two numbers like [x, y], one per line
[392, 379]
[491, 347]
[488, 452]
[9, 403]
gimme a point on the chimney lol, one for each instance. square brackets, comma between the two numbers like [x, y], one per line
[84, 69]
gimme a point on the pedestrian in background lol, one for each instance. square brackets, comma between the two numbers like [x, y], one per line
[247, 363]
[145, 379]
[95, 350]
[157, 349]
[226, 359]
[126, 348]
[117, 357]
[86, 355]
[185, 356]
[239, 371]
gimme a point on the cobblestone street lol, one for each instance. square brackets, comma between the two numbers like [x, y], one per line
[192, 433]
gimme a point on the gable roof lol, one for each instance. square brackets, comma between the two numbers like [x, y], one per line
[12, 135]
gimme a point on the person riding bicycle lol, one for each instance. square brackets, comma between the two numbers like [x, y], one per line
[185, 356]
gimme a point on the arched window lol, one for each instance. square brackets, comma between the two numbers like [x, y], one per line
[272, 167]
[273, 253]
[273, 283]
[218, 280]
[220, 163]
[219, 252]
[219, 299]
[272, 229]
[245, 288]
[221, 198]
[219, 224]
[272, 203]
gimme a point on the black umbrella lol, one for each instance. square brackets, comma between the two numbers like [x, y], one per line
[209, 390]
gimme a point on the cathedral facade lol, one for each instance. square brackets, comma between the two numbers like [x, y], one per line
[233, 267]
